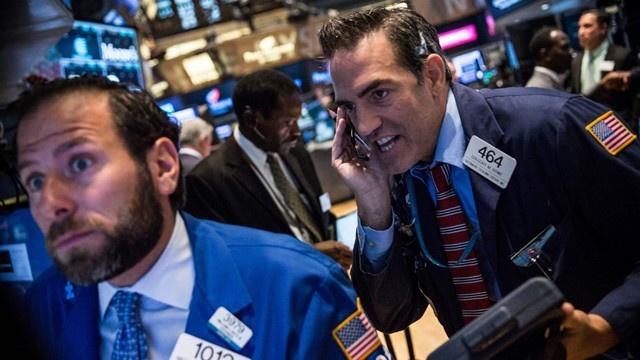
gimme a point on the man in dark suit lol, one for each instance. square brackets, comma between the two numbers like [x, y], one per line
[196, 137]
[598, 58]
[236, 184]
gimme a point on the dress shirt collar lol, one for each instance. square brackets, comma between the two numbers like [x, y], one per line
[451, 142]
[190, 151]
[174, 268]
[257, 156]
[558, 78]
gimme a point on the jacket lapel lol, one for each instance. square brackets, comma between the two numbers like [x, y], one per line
[218, 283]
[79, 337]
[481, 122]
[240, 168]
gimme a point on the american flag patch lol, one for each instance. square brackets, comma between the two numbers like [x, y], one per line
[356, 337]
[611, 133]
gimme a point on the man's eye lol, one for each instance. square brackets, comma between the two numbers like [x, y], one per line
[379, 94]
[80, 164]
[34, 183]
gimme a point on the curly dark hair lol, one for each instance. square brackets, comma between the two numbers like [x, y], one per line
[137, 117]
[404, 28]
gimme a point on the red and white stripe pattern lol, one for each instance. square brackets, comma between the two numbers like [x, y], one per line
[467, 279]
[611, 133]
[357, 337]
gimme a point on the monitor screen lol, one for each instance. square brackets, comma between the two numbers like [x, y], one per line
[99, 49]
[315, 123]
[298, 72]
[469, 66]
[346, 229]
[22, 253]
[170, 17]
[500, 8]
[171, 104]
[219, 98]
[224, 131]
[185, 114]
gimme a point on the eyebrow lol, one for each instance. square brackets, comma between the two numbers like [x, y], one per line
[56, 152]
[375, 84]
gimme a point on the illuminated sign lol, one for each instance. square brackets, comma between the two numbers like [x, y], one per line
[99, 49]
[272, 48]
[200, 69]
[459, 36]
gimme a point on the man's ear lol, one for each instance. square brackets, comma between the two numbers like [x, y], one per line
[544, 54]
[434, 70]
[435, 75]
[249, 117]
[164, 164]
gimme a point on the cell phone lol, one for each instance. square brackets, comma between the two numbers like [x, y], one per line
[363, 150]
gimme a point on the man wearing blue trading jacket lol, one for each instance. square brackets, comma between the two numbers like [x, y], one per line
[134, 277]
[522, 161]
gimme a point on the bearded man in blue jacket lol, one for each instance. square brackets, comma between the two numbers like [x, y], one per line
[100, 164]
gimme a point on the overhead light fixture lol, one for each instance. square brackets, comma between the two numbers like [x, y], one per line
[545, 7]
[185, 48]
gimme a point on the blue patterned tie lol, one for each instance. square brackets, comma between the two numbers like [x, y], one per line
[130, 342]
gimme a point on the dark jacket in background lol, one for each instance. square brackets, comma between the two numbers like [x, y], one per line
[224, 187]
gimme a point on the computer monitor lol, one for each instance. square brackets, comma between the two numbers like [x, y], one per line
[219, 98]
[346, 229]
[299, 73]
[22, 253]
[470, 66]
[101, 50]
[315, 122]
[186, 114]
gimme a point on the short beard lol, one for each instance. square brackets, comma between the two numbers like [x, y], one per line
[137, 231]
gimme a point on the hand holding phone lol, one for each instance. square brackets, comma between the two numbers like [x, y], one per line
[363, 150]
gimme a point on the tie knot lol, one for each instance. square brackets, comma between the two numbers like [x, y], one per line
[441, 177]
[271, 159]
[127, 304]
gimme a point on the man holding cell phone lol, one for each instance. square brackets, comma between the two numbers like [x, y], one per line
[467, 194]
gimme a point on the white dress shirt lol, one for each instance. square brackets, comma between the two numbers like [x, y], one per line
[166, 291]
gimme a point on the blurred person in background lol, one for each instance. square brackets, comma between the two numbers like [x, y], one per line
[552, 54]
[196, 142]
[598, 58]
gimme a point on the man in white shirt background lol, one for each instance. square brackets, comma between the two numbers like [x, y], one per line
[598, 58]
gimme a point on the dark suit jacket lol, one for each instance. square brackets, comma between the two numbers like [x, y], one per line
[623, 59]
[224, 187]
[188, 162]
[594, 253]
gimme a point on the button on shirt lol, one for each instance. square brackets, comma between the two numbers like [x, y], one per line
[375, 245]
[164, 313]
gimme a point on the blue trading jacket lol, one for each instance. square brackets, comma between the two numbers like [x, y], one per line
[293, 313]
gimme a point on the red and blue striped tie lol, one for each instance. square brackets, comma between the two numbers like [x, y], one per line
[467, 279]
